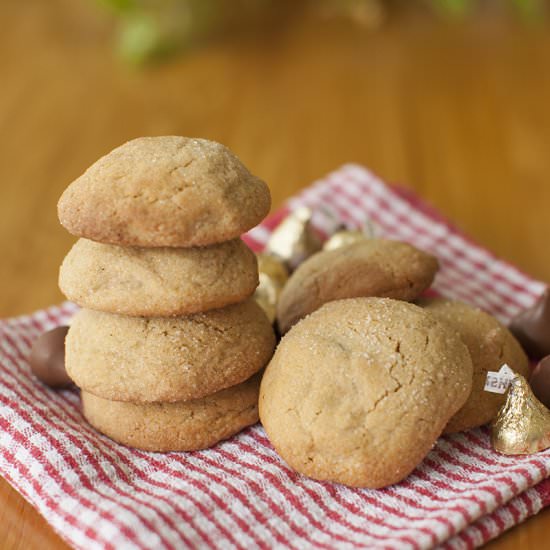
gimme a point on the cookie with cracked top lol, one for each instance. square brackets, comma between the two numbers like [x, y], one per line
[165, 191]
[373, 267]
[181, 426]
[144, 360]
[490, 345]
[359, 391]
[158, 282]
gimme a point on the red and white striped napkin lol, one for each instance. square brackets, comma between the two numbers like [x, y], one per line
[98, 494]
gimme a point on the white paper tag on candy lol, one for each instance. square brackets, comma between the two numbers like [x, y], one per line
[498, 382]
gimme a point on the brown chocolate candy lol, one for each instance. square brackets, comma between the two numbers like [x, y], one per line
[532, 327]
[540, 381]
[47, 358]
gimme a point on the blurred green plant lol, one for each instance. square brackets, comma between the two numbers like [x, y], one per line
[118, 5]
[454, 8]
[528, 9]
[149, 29]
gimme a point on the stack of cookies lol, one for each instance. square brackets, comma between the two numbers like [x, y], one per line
[169, 345]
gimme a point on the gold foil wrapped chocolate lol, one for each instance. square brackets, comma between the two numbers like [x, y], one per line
[273, 275]
[345, 237]
[294, 240]
[523, 423]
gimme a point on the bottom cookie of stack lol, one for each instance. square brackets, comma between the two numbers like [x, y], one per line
[179, 426]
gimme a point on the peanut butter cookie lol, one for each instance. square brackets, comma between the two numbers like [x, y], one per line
[158, 282]
[359, 391]
[490, 345]
[164, 191]
[372, 267]
[180, 426]
[167, 359]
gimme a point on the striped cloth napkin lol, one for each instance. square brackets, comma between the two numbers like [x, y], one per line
[98, 494]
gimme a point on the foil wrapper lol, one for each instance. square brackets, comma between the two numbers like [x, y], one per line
[523, 423]
[345, 237]
[273, 275]
[294, 240]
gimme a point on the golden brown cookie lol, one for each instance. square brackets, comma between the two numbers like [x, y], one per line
[165, 191]
[359, 391]
[490, 345]
[372, 267]
[167, 359]
[180, 426]
[158, 282]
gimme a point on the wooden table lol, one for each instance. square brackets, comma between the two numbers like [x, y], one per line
[459, 112]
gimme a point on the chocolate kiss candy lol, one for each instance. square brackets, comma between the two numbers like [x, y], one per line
[344, 236]
[273, 275]
[47, 358]
[532, 327]
[294, 240]
[523, 423]
[540, 381]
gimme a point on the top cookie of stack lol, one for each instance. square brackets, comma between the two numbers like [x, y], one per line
[135, 195]
[144, 210]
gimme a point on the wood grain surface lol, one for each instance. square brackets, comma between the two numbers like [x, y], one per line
[457, 111]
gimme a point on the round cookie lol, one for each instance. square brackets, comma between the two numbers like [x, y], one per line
[373, 267]
[490, 345]
[158, 282]
[164, 191]
[167, 359]
[181, 426]
[359, 391]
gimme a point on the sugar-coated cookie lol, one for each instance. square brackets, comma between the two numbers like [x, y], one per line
[374, 267]
[158, 282]
[165, 191]
[180, 426]
[490, 345]
[167, 359]
[359, 391]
